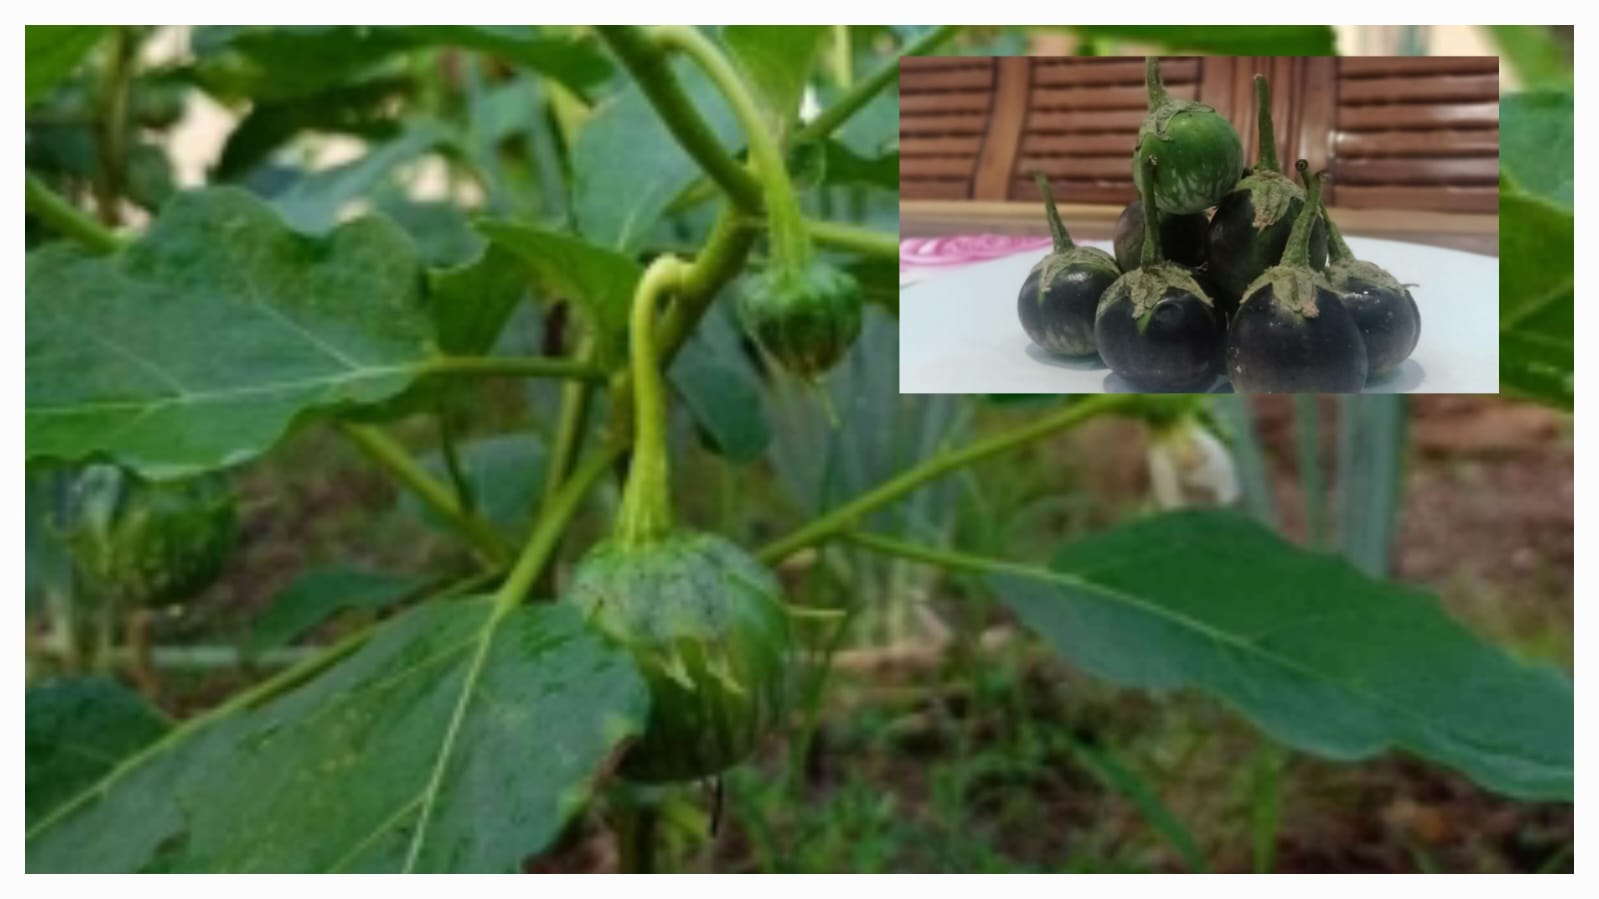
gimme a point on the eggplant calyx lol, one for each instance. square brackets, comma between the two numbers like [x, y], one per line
[1346, 274]
[1147, 286]
[1271, 194]
[1293, 286]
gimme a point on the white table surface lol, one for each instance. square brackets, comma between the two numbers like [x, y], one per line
[959, 332]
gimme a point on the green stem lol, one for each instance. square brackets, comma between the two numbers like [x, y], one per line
[1146, 195]
[840, 112]
[1337, 250]
[847, 515]
[452, 462]
[942, 558]
[646, 61]
[646, 501]
[1268, 135]
[514, 366]
[1152, 84]
[52, 209]
[575, 396]
[397, 462]
[1297, 252]
[551, 525]
[789, 244]
[866, 241]
[111, 148]
[1063, 240]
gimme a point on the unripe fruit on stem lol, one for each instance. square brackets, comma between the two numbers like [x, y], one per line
[1200, 155]
[150, 543]
[807, 317]
[707, 626]
[1057, 301]
[1291, 333]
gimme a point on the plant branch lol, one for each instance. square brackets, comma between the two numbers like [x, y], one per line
[846, 516]
[514, 366]
[866, 241]
[552, 524]
[937, 556]
[53, 209]
[112, 121]
[788, 241]
[437, 495]
[647, 62]
[836, 115]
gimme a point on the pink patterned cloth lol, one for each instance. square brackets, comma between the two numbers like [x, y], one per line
[962, 249]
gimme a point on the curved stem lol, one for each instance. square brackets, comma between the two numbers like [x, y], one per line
[399, 463]
[575, 396]
[833, 116]
[1063, 241]
[845, 516]
[1268, 135]
[1146, 194]
[790, 246]
[647, 63]
[646, 500]
[1297, 252]
[112, 127]
[865, 241]
[1152, 84]
[52, 209]
[514, 366]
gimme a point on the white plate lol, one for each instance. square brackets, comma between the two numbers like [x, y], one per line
[958, 332]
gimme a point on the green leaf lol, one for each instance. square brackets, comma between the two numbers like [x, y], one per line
[722, 389]
[316, 596]
[1537, 57]
[574, 61]
[1537, 144]
[313, 204]
[598, 281]
[78, 729]
[627, 168]
[199, 345]
[452, 741]
[505, 473]
[1226, 40]
[53, 51]
[471, 303]
[777, 61]
[1537, 308]
[362, 108]
[1313, 652]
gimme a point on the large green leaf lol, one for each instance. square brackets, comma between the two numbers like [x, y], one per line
[319, 594]
[1315, 653]
[1537, 290]
[1229, 40]
[471, 302]
[777, 61]
[197, 346]
[627, 167]
[78, 729]
[598, 281]
[53, 51]
[453, 740]
[1537, 143]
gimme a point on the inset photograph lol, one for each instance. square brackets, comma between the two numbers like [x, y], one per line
[1320, 225]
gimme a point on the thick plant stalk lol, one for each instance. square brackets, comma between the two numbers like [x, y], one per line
[1146, 191]
[790, 245]
[1297, 252]
[56, 212]
[650, 68]
[1267, 147]
[1057, 231]
[646, 501]
[844, 517]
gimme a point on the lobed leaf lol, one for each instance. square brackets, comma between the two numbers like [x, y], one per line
[199, 345]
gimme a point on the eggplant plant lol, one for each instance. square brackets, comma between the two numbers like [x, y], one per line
[596, 645]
